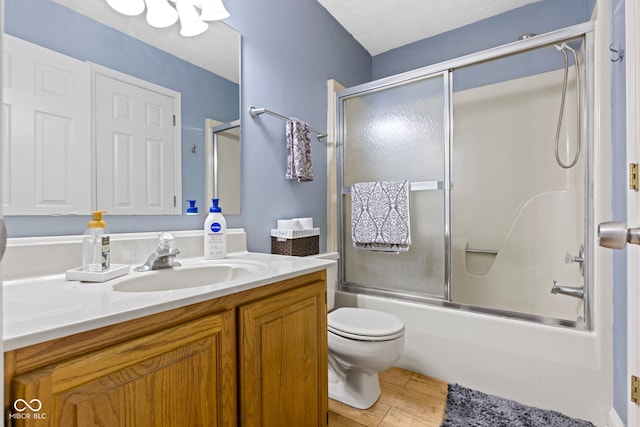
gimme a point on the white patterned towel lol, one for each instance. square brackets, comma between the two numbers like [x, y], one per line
[380, 216]
[298, 151]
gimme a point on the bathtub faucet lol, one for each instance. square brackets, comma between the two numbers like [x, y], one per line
[577, 292]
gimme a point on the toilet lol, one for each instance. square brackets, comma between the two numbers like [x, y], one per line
[362, 343]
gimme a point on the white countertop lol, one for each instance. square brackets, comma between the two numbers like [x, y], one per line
[42, 308]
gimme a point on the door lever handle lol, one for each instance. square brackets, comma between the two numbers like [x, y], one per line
[616, 235]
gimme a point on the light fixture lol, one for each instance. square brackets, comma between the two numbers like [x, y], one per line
[190, 22]
[162, 13]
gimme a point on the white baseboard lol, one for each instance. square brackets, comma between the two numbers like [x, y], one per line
[614, 419]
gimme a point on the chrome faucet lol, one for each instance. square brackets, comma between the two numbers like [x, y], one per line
[163, 256]
[577, 292]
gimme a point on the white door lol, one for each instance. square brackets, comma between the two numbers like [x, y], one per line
[632, 17]
[137, 145]
[46, 167]
[2, 228]
[633, 304]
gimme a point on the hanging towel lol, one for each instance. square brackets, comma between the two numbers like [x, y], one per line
[380, 216]
[298, 151]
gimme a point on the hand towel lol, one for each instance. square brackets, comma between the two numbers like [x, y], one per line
[380, 216]
[298, 151]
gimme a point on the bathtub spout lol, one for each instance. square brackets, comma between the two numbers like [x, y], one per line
[577, 292]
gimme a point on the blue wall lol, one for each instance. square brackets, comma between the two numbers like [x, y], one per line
[619, 212]
[537, 18]
[289, 50]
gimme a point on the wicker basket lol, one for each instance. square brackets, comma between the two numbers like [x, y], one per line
[301, 246]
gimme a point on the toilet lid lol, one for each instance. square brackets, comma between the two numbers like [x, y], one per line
[365, 324]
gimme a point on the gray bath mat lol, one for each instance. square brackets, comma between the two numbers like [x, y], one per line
[467, 408]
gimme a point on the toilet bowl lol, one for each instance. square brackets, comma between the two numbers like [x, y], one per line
[362, 343]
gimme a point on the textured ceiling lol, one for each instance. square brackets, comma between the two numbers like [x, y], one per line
[216, 50]
[381, 25]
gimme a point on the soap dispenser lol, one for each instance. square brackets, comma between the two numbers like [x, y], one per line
[215, 233]
[95, 245]
[192, 209]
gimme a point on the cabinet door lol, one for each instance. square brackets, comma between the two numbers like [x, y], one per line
[283, 359]
[182, 376]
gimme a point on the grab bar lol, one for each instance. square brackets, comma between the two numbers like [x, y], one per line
[481, 251]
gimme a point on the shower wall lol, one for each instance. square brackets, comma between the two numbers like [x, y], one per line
[515, 212]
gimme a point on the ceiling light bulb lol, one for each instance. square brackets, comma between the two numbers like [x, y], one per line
[190, 22]
[127, 7]
[213, 10]
[160, 13]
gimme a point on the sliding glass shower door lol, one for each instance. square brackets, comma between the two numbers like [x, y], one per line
[395, 133]
[498, 149]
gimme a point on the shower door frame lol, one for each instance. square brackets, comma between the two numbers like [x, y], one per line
[445, 184]
[445, 69]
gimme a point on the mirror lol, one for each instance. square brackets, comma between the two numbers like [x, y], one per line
[204, 70]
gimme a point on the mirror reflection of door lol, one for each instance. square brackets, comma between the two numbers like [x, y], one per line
[46, 154]
[137, 145]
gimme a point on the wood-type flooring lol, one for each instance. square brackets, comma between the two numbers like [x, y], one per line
[408, 399]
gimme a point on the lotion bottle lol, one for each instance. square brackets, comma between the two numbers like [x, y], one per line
[95, 245]
[215, 233]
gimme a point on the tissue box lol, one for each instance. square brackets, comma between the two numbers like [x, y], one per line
[302, 246]
[295, 242]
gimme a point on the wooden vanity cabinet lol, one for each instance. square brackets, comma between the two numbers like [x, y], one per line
[254, 358]
[172, 377]
[283, 359]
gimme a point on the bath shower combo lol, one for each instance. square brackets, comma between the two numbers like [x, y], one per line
[490, 215]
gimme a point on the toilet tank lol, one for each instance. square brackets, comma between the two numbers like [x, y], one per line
[332, 277]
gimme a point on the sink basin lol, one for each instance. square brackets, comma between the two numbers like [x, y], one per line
[183, 277]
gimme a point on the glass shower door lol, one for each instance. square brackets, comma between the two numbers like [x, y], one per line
[394, 133]
[512, 174]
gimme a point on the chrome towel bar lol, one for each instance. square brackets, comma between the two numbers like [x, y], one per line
[415, 186]
[258, 111]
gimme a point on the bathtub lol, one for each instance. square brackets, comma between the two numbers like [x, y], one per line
[550, 367]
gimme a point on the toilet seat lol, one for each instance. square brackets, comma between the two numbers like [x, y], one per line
[364, 324]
